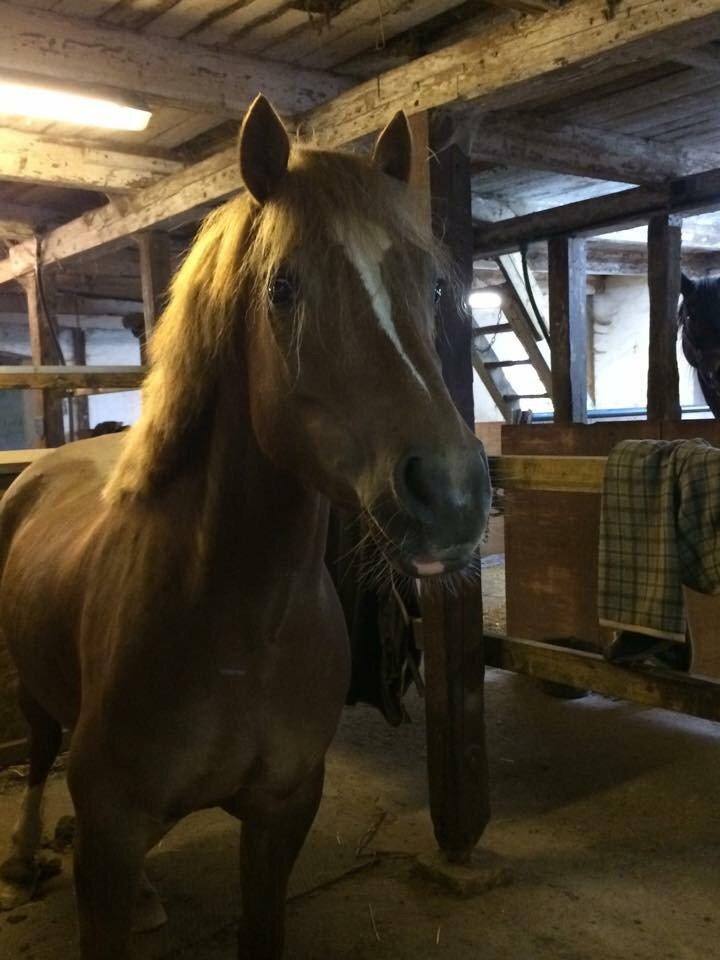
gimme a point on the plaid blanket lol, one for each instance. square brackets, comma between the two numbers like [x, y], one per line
[659, 529]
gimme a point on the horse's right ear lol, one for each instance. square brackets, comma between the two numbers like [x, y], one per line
[687, 286]
[263, 149]
[393, 152]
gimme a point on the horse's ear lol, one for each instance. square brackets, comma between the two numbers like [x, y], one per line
[264, 149]
[394, 148]
[687, 286]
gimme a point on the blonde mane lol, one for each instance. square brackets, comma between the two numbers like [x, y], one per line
[223, 281]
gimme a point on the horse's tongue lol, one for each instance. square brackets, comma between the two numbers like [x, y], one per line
[429, 568]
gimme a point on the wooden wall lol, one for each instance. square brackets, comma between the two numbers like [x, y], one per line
[551, 540]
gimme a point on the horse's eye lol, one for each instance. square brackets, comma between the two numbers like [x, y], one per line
[282, 290]
[439, 288]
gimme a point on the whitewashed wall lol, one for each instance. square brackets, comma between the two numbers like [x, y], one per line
[113, 348]
[621, 314]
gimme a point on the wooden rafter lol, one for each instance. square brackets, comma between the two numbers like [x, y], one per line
[49, 377]
[27, 158]
[506, 65]
[42, 45]
[602, 214]
[606, 258]
[546, 144]
[71, 305]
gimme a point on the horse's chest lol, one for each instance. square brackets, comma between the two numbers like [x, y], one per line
[264, 725]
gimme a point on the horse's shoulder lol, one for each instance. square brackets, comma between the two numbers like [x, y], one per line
[75, 470]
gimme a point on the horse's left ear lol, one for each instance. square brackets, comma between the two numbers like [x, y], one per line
[394, 148]
[264, 149]
[687, 285]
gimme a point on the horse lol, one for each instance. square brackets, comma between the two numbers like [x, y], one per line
[699, 321]
[163, 591]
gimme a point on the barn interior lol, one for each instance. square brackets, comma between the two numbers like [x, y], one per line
[569, 154]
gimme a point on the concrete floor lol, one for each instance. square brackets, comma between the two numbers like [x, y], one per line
[606, 814]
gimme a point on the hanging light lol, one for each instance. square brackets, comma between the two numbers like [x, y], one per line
[484, 300]
[43, 103]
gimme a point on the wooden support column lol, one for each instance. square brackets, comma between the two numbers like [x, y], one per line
[81, 405]
[664, 243]
[568, 328]
[453, 625]
[155, 274]
[47, 404]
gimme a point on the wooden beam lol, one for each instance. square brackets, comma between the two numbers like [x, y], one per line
[42, 45]
[548, 144]
[452, 625]
[511, 267]
[505, 65]
[15, 229]
[80, 404]
[155, 274]
[628, 208]
[72, 305]
[54, 377]
[26, 158]
[664, 242]
[47, 406]
[171, 202]
[703, 58]
[668, 689]
[605, 258]
[512, 62]
[525, 6]
[568, 329]
[556, 474]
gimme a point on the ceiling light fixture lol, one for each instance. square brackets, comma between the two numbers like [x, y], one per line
[28, 100]
[484, 300]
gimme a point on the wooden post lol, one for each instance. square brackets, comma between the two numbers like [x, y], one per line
[664, 243]
[568, 328]
[81, 406]
[453, 625]
[47, 404]
[155, 274]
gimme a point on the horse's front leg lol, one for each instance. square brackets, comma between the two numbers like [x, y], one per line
[111, 839]
[271, 841]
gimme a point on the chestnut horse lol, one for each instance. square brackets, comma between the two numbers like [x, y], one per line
[163, 591]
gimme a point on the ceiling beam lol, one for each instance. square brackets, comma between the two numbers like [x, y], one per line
[547, 144]
[704, 58]
[513, 62]
[503, 66]
[26, 158]
[42, 45]
[607, 259]
[628, 208]
[72, 305]
[16, 230]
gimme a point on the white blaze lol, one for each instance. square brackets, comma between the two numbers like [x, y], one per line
[365, 247]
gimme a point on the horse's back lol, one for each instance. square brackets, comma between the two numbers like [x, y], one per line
[48, 519]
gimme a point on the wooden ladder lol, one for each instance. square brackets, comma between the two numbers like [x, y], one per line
[519, 324]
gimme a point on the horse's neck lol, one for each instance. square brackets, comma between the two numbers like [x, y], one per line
[252, 519]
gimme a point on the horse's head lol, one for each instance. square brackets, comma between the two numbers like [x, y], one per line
[700, 320]
[344, 381]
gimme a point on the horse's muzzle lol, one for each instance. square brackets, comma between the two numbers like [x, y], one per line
[446, 495]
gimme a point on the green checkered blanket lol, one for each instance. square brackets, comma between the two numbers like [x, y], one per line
[659, 529]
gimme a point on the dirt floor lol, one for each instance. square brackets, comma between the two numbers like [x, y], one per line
[606, 816]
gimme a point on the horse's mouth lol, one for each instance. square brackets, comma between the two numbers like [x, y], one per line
[431, 565]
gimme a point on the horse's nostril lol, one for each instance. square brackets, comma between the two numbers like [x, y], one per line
[418, 487]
